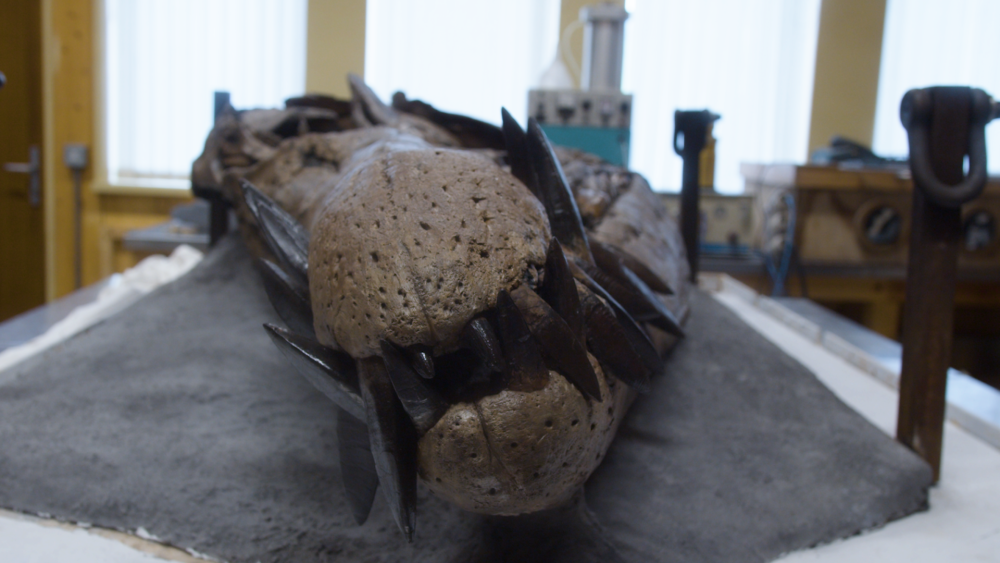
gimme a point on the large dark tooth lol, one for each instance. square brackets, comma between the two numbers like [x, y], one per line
[559, 289]
[422, 360]
[288, 296]
[636, 336]
[329, 371]
[517, 152]
[629, 298]
[663, 319]
[555, 193]
[357, 466]
[484, 342]
[393, 443]
[607, 341]
[424, 405]
[286, 238]
[525, 367]
[610, 258]
[636, 297]
[559, 344]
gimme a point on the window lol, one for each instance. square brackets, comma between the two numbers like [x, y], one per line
[750, 61]
[165, 58]
[462, 56]
[933, 43]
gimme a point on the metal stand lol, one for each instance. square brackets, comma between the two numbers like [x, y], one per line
[944, 125]
[690, 135]
[218, 220]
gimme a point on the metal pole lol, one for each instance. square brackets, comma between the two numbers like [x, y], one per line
[944, 125]
[218, 218]
[690, 136]
[690, 214]
[75, 157]
[77, 231]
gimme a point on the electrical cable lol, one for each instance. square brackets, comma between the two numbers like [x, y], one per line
[779, 273]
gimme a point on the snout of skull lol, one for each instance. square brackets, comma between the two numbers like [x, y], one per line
[415, 244]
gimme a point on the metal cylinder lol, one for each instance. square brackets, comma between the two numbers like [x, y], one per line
[603, 46]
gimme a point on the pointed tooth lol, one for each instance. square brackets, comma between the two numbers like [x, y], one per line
[422, 360]
[664, 318]
[358, 114]
[631, 290]
[374, 109]
[555, 193]
[483, 340]
[623, 294]
[472, 133]
[610, 258]
[636, 297]
[567, 354]
[288, 296]
[286, 238]
[607, 341]
[517, 152]
[424, 405]
[525, 367]
[357, 466]
[636, 336]
[329, 371]
[393, 443]
[559, 289]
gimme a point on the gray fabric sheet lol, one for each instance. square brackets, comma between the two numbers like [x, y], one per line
[179, 416]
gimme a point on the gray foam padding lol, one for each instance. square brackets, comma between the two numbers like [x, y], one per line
[179, 416]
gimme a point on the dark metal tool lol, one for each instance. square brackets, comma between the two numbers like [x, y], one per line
[218, 223]
[690, 135]
[945, 125]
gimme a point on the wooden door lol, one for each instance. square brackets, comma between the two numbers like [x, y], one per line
[22, 249]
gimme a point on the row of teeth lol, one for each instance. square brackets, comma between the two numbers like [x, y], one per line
[592, 299]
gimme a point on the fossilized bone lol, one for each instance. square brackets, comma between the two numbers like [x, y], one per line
[482, 316]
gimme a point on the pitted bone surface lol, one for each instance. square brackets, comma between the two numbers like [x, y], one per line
[530, 450]
[414, 241]
[304, 169]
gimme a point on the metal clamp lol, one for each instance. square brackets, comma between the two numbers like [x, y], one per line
[915, 112]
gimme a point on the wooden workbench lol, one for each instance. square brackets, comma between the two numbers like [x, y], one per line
[862, 276]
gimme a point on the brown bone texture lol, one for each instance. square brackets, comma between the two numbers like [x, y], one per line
[413, 244]
[411, 238]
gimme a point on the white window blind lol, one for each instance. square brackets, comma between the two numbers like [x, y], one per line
[936, 43]
[751, 61]
[165, 58]
[462, 56]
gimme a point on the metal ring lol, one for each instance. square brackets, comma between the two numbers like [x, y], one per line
[914, 112]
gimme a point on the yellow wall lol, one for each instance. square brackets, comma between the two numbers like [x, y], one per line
[71, 53]
[335, 45]
[70, 100]
[848, 54]
[847, 60]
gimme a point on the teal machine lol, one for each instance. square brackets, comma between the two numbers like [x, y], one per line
[598, 117]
